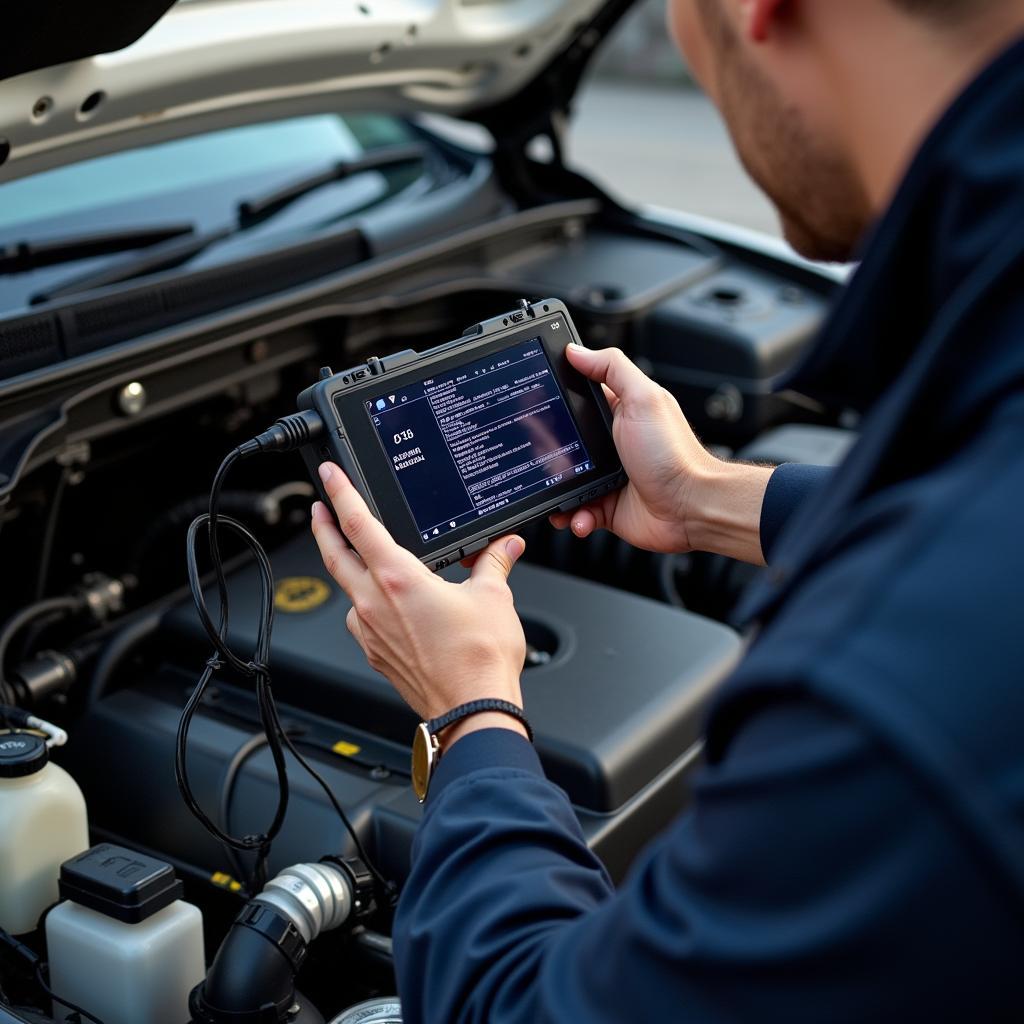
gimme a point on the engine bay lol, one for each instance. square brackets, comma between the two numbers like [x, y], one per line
[106, 461]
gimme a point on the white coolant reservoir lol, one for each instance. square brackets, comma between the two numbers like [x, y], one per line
[123, 945]
[42, 824]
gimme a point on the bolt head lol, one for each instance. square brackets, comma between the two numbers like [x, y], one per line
[132, 398]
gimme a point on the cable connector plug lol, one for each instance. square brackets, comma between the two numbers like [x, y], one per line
[287, 434]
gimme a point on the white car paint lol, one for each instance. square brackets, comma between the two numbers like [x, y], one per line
[218, 63]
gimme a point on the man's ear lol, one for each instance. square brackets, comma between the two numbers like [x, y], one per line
[758, 16]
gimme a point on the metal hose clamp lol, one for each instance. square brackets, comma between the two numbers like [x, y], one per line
[316, 897]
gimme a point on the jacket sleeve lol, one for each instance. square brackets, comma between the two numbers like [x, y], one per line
[788, 487]
[807, 870]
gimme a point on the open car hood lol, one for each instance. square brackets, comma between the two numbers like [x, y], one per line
[81, 80]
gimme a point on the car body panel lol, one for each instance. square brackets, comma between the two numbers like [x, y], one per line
[211, 64]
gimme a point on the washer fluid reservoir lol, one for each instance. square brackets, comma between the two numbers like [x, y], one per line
[42, 824]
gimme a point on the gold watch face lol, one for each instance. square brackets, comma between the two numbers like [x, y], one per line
[423, 758]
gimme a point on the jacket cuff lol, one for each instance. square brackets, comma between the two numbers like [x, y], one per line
[788, 487]
[488, 748]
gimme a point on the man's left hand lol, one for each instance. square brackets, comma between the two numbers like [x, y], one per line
[439, 643]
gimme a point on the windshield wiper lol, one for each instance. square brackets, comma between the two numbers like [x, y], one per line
[255, 211]
[249, 213]
[160, 257]
[25, 256]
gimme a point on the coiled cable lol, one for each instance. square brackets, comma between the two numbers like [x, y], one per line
[286, 435]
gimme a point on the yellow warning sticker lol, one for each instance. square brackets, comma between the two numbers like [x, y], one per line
[346, 749]
[300, 593]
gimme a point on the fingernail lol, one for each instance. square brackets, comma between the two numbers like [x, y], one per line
[326, 470]
[577, 526]
[315, 509]
[515, 546]
[578, 344]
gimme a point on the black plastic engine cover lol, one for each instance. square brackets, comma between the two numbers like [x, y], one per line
[618, 712]
[619, 701]
[721, 344]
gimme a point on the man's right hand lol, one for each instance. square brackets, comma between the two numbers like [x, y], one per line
[679, 497]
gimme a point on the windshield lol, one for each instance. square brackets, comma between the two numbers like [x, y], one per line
[260, 149]
[197, 181]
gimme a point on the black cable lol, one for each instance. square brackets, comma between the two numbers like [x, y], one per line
[227, 787]
[57, 999]
[255, 668]
[50, 534]
[287, 434]
[387, 887]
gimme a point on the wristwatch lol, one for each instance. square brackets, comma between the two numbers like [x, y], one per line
[426, 750]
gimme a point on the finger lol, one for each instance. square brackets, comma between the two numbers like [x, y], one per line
[610, 397]
[495, 562]
[365, 533]
[339, 561]
[584, 521]
[560, 520]
[612, 367]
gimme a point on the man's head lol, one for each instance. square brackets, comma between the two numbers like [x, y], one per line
[826, 100]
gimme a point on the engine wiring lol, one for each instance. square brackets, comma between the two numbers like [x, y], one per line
[286, 435]
[39, 970]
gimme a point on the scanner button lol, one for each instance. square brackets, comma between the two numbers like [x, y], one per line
[442, 563]
[471, 549]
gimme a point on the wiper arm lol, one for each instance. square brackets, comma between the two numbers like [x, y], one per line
[254, 211]
[25, 256]
[160, 257]
[250, 212]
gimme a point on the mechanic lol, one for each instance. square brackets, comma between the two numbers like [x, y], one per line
[855, 848]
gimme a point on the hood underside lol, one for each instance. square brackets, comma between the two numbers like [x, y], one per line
[208, 64]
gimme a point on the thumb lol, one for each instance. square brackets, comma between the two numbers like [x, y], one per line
[495, 562]
[610, 366]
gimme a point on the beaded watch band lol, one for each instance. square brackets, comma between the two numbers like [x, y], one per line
[476, 707]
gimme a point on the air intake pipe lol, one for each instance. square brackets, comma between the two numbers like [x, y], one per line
[252, 978]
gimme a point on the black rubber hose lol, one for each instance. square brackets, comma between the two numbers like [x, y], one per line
[18, 621]
[237, 503]
[252, 977]
[145, 621]
[50, 535]
[117, 648]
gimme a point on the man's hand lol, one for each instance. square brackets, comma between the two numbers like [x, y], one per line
[679, 497]
[440, 644]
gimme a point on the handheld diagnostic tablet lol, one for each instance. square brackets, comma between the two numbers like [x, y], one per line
[460, 444]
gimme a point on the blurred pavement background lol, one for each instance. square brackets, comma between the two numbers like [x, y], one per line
[649, 143]
[648, 135]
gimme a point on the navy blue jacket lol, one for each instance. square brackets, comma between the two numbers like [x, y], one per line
[855, 849]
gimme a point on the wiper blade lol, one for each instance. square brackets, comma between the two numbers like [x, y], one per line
[250, 212]
[161, 257]
[29, 255]
[254, 211]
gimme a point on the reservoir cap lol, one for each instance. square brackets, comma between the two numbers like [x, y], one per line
[119, 882]
[22, 753]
